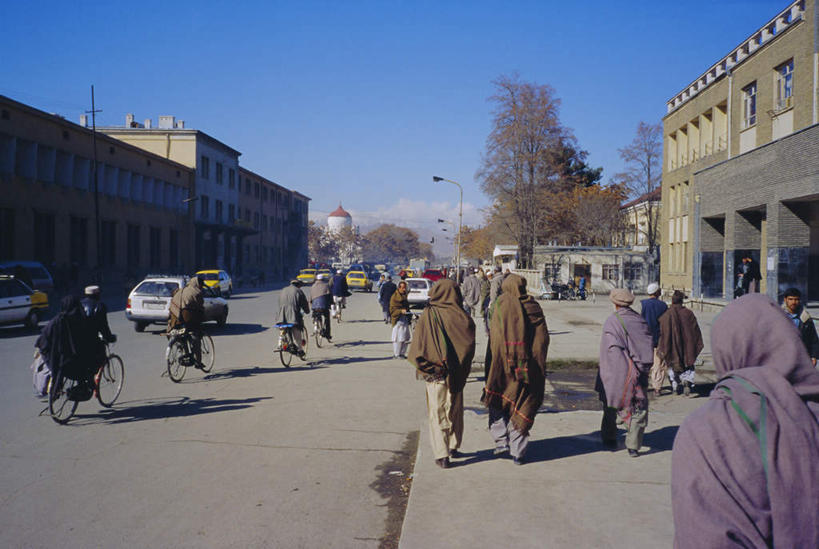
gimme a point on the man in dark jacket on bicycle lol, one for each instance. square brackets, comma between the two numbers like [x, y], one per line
[320, 298]
[97, 314]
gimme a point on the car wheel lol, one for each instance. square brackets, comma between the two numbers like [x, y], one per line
[139, 326]
[32, 320]
[229, 291]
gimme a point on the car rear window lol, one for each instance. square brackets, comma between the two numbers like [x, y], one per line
[417, 285]
[356, 275]
[210, 276]
[158, 289]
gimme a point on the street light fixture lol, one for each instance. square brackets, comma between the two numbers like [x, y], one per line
[437, 179]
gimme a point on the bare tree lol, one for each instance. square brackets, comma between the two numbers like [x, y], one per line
[643, 175]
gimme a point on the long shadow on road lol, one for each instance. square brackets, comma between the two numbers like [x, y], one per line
[349, 360]
[359, 343]
[128, 412]
[236, 328]
[254, 371]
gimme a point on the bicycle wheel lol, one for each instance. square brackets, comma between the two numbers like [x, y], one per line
[110, 380]
[317, 332]
[60, 406]
[176, 351]
[208, 353]
[285, 356]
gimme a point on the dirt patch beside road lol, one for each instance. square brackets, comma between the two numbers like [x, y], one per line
[573, 390]
[393, 483]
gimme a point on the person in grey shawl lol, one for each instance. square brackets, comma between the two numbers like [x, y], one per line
[292, 303]
[744, 471]
[626, 356]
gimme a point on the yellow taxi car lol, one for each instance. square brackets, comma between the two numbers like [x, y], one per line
[327, 272]
[19, 304]
[358, 279]
[215, 278]
[307, 276]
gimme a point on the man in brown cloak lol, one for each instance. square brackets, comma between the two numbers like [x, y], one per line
[188, 307]
[744, 471]
[442, 349]
[680, 343]
[518, 343]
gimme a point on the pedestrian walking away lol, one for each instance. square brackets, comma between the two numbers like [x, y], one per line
[518, 343]
[626, 355]
[495, 285]
[320, 300]
[400, 319]
[442, 349]
[792, 305]
[651, 310]
[384, 295]
[680, 343]
[471, 291]
[744, 471]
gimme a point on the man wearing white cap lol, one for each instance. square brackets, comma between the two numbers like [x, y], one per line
[97, 313]
[651, 310]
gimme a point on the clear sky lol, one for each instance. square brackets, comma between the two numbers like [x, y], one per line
[362, 102]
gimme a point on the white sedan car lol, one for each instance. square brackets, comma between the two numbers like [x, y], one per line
[418, 288]
[150, 301]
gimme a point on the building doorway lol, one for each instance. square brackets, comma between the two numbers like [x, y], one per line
[580, 270]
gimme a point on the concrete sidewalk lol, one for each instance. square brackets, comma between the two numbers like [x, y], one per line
[571, 492]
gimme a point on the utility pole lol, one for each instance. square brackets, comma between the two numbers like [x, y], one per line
[97, 230]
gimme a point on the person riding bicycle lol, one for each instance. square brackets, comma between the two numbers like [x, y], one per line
[320, 297]
[338, 285]
[292, 303]
[188, 309]
[97, 314]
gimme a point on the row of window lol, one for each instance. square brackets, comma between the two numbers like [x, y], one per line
[262, 221]
[204, 172]
[782, 96]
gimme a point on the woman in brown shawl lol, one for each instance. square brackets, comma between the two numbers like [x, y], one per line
[744, 471]
[442, 349]
[518, 342]
[400, 318]
[680, 343]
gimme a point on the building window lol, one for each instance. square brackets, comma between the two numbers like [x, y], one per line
[264, 194]
[684, 198]
[255, 220]
[219, 173]
[231, 214]
[204, 169]
[749, 105]
[783, 95]
[204, 211]
[155, 247]
[6, 233]
[632, 271]
[247, 186]
[173, 248]
[256, 189]
[108, 236]
[611, 272]
[132, 257]
[264, 222]
[44, 237]
[231, 178]
[78, 239]
[247, 215]
[218, 211]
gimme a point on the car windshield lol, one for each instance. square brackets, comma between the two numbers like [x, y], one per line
[156, 288]
[210, 276]
[307, 271]
[433, 273]
[417, 284]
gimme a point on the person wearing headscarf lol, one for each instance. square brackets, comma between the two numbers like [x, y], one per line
[744, 471]
[680, 343]
[626, 356]
[321, 299]
[400, 319]
[442, 350]
[68, 342]
[515, 383]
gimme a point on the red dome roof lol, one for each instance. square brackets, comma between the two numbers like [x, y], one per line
[339, 212]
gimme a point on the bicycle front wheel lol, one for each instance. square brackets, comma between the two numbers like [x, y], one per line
[60, 406]
[317, 332]
[208, 353]
[176, 370]
[110, 380]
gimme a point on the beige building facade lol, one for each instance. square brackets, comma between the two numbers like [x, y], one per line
[47, 206]
[761, 95]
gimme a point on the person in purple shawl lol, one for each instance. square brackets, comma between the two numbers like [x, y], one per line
[744, 469]
[626, 356]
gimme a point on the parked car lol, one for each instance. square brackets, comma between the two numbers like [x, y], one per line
[418, 291]
[327, 272]
[218, 279]
[407, 273]
[40, 277]
[358, 279]
[433, 275]
[19, 304]
[149, 301]
[307, 276]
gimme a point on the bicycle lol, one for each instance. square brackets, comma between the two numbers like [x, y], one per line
[319, 328]
[64, 393]
[287, 344]
[179, 353]
[335, 308]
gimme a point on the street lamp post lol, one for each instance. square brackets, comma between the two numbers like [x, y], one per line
[437, 179]
[454, 229]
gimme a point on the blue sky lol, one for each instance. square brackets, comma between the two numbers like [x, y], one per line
[362, 102]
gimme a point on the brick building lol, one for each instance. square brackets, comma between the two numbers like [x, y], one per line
[47, 206]
[741, 165]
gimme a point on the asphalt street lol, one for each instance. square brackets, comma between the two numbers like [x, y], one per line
[251, 455]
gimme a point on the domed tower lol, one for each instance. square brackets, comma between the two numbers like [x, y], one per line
[339, 219]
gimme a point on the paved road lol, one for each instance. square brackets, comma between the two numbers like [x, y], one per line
[250, 455]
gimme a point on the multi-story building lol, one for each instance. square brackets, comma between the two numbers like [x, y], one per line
[641, 218]
[279, 218]
[47, 205]
[741, 164]
[216, 186]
